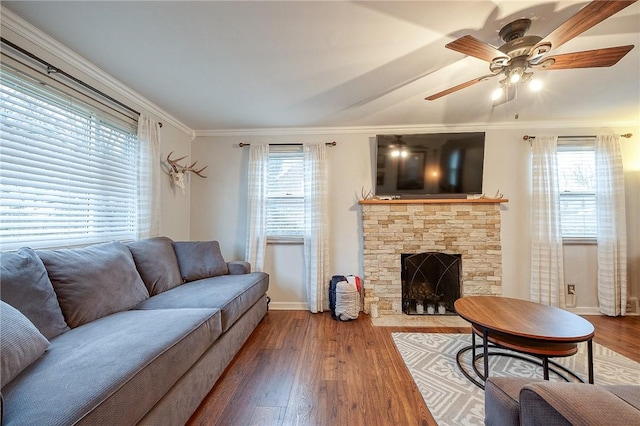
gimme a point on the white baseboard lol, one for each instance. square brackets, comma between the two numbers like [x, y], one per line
[594, 311]
[288, 306]
[301, 306]
[583, 310]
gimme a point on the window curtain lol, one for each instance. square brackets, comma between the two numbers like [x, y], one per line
[316, 221]
[547, 271]
[149, 175]
[611, 226]
[257, 206]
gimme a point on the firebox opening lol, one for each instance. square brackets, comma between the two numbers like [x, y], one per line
[431, 283]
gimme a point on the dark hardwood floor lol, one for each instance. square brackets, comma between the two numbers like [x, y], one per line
[299, 368]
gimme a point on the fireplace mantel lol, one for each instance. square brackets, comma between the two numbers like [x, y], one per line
[437, 201]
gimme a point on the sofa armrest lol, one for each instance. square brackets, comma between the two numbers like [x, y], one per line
[550, 403]
[239, 267]
[502, 400]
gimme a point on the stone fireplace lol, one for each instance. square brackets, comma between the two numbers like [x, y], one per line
[468, 228]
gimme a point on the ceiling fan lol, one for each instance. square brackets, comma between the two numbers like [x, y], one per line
[522, 52]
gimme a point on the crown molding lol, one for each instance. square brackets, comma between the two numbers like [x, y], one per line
[532, 126]
[32, 34]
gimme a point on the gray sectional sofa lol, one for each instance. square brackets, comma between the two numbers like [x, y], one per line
[120, 334]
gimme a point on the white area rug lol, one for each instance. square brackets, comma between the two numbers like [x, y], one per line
[453, 400]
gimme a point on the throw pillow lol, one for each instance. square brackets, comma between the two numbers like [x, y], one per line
[20, 343]
[157, 263]
[25, 285]
[95, 281]
[200, 259]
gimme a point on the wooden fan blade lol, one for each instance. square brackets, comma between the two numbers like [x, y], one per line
[588, 58]
[590, 15]
[459, 87]
[471, 46]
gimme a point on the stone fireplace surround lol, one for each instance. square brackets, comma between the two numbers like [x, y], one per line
[469, 227]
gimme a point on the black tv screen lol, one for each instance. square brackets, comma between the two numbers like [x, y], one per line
[427, 165]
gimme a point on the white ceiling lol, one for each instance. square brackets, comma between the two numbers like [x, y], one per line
[239, 65]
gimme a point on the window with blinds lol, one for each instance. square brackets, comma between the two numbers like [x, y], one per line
[68, 170]
[576, 178]
[285, 193]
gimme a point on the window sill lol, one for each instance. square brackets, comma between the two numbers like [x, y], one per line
[285, 240]
[579, 241]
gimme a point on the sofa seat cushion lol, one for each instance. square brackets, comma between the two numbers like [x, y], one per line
[25, 285]
[157, 263]
[117, 367]
[232, 294]
[94, 281]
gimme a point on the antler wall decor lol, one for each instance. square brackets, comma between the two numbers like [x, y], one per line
[178, 172]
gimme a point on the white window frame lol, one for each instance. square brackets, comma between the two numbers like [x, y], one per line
[568, 146]
[68, 169]
[285, 195]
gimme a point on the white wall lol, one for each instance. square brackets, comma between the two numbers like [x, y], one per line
[581, 268]
[218, 206]
[175, 213]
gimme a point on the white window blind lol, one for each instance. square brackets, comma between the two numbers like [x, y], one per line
[67, 169]
[576, 177]
[285, 203]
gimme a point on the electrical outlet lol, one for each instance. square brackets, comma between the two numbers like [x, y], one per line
[571, 289]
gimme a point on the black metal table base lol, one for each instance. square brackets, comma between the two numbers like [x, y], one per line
[480, 377]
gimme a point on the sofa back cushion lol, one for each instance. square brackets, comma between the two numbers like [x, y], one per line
[94, 281]
[157, 264]
[20, 343]
[25, 285]
[200, 259]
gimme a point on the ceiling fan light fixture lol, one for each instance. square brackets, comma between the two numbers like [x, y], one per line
[399, 153]
[535, 85]
[515, 75]
[497, 94]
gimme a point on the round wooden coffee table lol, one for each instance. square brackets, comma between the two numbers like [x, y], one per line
[530, 328]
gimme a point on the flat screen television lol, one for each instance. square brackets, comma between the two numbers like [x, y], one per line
[434, 165]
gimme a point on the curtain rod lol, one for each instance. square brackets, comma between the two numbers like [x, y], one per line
[527, 137]
[56, 70]
[242, 144]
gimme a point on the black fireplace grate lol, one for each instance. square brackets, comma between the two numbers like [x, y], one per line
[431, 283]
